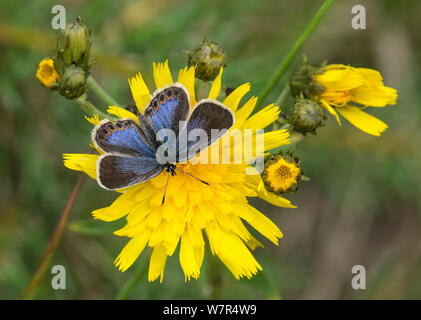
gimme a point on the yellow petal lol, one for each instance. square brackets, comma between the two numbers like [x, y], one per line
[234, 97]
[118, 209]
[131, 251]
[232, 252]
[340, 78]
[81, 162]
[244, 112]
[373, 92]
[122, 113]
[188, 258]
[216, 85]
[162, 74]
[140, 92]
[263, 118]
[157, 263]
[186, 78]
[93, 120]
[330, 110]
[363, 120]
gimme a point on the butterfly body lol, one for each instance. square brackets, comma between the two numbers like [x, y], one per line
[130, 150]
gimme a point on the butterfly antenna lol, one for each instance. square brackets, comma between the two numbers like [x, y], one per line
[193, 176]
[165, 191]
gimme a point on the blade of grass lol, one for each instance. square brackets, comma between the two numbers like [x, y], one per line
[286, 62]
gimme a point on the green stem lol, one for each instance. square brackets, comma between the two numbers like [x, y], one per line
[284, 96]
[133, 281]
[31, 289]
[101, 93]
[285, 63]
[89, 108]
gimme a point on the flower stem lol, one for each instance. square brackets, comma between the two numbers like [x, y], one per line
[284, 96]
[133, 281]
[285, 63]
[89, 108]
[31, 289]
[101, 93]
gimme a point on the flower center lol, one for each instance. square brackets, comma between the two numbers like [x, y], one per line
[337, 98]
[281, 175]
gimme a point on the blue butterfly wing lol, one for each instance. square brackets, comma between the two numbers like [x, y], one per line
[116, 172]
[124, 137]
[168, 107]
[207, 115]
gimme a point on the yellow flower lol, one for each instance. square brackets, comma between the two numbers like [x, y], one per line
[280, 175]
[191, 208]
[46, 73]
[345, 85]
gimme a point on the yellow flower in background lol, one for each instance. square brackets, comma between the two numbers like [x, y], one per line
[280, 175]
[191, 208]
[47, 74]
[344, 85]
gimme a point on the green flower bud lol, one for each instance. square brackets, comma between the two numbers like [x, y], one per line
[72, 83]
[208, 58]
[282, 173]
[303, 81]
[73, 46]
[306, 116]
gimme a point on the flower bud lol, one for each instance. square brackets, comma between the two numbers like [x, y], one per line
[47, 74]
[306, 116]
[72, 83]
[208, 58]
[73, 46]
[282, 173]
[303, 80]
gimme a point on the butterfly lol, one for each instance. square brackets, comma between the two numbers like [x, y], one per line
[131, 150]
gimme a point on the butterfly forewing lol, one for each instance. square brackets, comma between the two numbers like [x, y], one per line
[168, 107]
[210, 116]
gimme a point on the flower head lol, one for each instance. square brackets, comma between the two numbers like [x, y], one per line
[347, 90]
[192, 209]
[281, 174]
[47, 74]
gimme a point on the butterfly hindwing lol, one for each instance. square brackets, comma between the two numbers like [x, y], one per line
[208, 114]
[168, 107]
[123, 137]
[116, 172]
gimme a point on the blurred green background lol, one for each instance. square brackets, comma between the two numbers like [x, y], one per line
[362, 205]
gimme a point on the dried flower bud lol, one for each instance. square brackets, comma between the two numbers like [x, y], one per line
[306, 116]
[208, 58]
[72, 83]
[74, 46]
[282, 173]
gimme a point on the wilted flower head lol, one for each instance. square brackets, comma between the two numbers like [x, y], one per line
[47, 74]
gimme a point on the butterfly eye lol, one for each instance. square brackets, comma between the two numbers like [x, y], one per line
[169, 94]
[155, 104]
[162, 98]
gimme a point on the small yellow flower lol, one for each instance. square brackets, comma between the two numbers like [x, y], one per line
[46, 73]
[192, 209]
[345, 85]
[281, 175]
